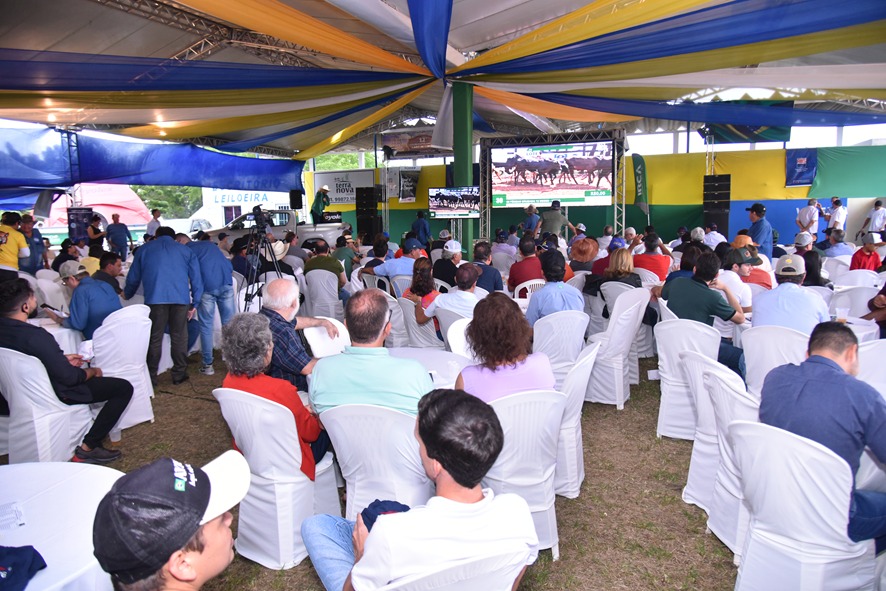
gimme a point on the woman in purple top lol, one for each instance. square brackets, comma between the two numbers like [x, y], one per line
[501, 339]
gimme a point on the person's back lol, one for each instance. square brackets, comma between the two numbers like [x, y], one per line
[215, 268]
[165, 268]
[91, 303]
[790, 305]
[555, 296]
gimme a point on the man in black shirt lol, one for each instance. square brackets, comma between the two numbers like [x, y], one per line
[110, 267]
[68, 252]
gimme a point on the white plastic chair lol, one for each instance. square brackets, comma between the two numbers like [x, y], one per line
[859, 278]
[46, 274]
[272, 275]
[578, 282]
[854, 298]
[705, 458]
[609, 383]
[755, 289]
[727, 516]
[676, 411]
[531, 422]
[54, 294]
[120, 346]
[486, 573]
[570, 470]
[530, 287]
[41, 427]
[422, 336]
[280, 495]
[767, 347]
[825, 293]
[398, 337]
[389, 468]
[323, 294]
[560, 336]
[436, 254]
[239, 281]
[456, 339]
[503, 262]
[401, 283]
[255, 304]
[446, 318]
[835, 266]
[295, 262]
[665, 312]
[442, 286]
[871, 369]
[321, 344]
[798, 494]
[647, 276]
[377, 281]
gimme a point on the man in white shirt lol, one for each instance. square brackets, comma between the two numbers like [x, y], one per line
[604, 240]
[836, 216]
[461, 301]
[876, 218]
[459, 438]
[154, 224]
[807, 218]
[790, 305]
[738, 264]
[679, 239]
[711, 236]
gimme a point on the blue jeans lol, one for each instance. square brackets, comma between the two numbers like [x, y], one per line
[867, 517]
[732, 357]
[223, 297]
[330, 545]
[123, 251]
[343, 295]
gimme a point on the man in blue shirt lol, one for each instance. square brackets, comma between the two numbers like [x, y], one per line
[760, 230]
[555, 296]
[822, 401]
[421, 228]
[218, 292]
[401, 266]
[91, 302]
[119, 237]
[837, 245]
[37, 258]
[173, 286]
[790, 304]
[490, 277]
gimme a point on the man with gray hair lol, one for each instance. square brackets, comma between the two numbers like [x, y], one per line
[366, 373]
[837, 245]
[807, 218]
[289, 361]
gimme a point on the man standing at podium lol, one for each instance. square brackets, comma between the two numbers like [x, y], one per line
[321, 202]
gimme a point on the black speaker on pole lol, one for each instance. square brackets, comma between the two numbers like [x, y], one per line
[716, 201]
[296, 199]
[368, 224]
[367, 201]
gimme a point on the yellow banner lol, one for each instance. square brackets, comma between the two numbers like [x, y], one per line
[757, 175]
[672, 179]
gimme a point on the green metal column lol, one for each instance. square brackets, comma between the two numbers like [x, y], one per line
[463, 149]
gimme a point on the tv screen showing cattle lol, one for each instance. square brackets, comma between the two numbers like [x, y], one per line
[576, 174]
[454, 202]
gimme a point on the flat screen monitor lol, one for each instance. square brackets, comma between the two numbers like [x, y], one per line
[574, 173]
[454, 202]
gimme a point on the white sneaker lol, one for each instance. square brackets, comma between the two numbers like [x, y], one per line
[207, 370]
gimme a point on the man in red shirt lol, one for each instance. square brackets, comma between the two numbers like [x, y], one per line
[526, 269]
[601, 265]
[866, 257]
[649, 260]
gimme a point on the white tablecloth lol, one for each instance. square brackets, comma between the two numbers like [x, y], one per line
[67, 338]
[443, 365]
[58, 500]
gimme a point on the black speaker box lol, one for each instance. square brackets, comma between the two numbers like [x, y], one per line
[296, 199]
[367, 201]
[368, 224]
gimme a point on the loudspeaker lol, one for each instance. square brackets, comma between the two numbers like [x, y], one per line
[716, 199]
[296, 199]
[368, 224]
[367, 201]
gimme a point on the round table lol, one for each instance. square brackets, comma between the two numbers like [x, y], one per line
[443, 366]
[58, 502]
[67, 338]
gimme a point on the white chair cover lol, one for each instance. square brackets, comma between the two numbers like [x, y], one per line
[609, 383]
[705, 458]
[255, 304]
[767, 347]
[41, 427]
[305, 308]
[378, 454]
[442, 286]
[295, 262]
[859, 278]
[401, 283]
[280, 496]
[420, 335]
[727, 516]
[271, 275]
[611, 292]
[4, 435]
[502, 261]
[321, 344]
[527, 288]
[436, 254]
[46, 274]
[560, 336]
[755, 289]
[323, 294]
[676, 411]
[239, 280]
[647, 276]
[854, 298]
[871, 368]
[835, 266]
[531, 422]
[594, 309]
[398, 336]
[457, 341]
[578, 282]
[797, 492]
[570, 471]
[478, 291]
[356, 283]
[825, 293]
[54, 294]
[446, 318]
[665, 312]
[486, 573]
[120, 346]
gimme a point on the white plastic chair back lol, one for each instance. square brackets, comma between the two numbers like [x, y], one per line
[881, 276]
[610, 382]
[859, 278]
[442, 286]
[767, 347]
[578, 282]
[727, 516]
[647, 276]
[389, 468]
[871, 369]
[527, 288]
[570, 471]
[280, 496]
[53, 294]
[456, 339]
[835, 266]
[323, 294]
[503, 262]
[705, 458]
[401, 283]
[594, 309]
[239, 280]
[612, 290]
[755, 289]
[356, 283]
[676, 257]
[676, 411]
[31, 279]
[665, 312]
[382, 283]
[798, 494]
[47, 274]
[41, 427]
[560, 336]
[295, 262]
[365, 249]
[446, 318]
[854, 298]
[487, 573]
[255, 304]
[422, 336]
[436, 254]
[479, 292]
[767, 264]
[305, 308]
[824, 293]
[120, 346]
[398, 336]
[531, 422]
[321, 344]
[272, 275]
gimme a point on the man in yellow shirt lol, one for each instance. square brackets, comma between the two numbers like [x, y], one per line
[13, 245]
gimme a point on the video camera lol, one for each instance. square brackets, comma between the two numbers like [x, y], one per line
[261, 220]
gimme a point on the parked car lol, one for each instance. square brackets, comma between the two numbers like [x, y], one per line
[281, 221]
[189, 226]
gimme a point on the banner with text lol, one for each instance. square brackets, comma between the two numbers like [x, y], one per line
[800, 167]
[343, 184]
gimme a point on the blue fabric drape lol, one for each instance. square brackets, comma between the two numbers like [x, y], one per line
[51, 70]
[735, 23]
[34, 158]
[481, 124]
[430, 27]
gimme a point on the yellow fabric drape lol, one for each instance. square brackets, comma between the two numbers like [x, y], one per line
[547, 109]
[284, 22]
[671, 179]
[593, 20]
[757, 175]
[330, 142]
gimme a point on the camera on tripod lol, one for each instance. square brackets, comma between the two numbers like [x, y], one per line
[261, 220]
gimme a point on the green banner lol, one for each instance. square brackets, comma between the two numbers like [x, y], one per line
[856, 171]
[641, 196]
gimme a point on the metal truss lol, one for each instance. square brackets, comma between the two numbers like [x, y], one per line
[618, 194]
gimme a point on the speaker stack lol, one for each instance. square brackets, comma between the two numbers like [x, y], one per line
[296, 199]
[368, 220]
[716, 201]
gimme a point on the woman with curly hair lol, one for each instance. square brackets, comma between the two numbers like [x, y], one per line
[501, 339]
[423, 287]
[583, 253]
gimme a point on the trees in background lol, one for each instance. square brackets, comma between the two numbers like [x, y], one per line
[175, 202]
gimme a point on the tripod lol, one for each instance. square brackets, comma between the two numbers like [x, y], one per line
[258, 246]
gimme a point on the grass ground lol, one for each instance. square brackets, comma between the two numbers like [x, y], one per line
[629, 528]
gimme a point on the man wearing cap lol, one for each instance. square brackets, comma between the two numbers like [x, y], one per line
[37, 259]
[530, 223]
[118, 237]
[173, 286]
[154, 224]
[553, 221]
[760, 230]
[601, 264]
[13, 245]
[461, 301]
[876, 218]
[807, 218]
[421, 228]
[711, 236]
[681, 231]
[218, 294]
[866, 257]
[91, 300]
[837, 245]
[67, 252]
[167, 525]
[346, 253]
[554, 296]
[443, 236]
[789, 304]
[736, 265]
[580, 230]
[321, 202]
[71, 383]
[527, 268]
[490, 277]
[447, 264]
[503, 245]
[401, 266]
[803, 243]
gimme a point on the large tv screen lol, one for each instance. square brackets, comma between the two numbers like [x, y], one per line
[575, 173]
[454, 202]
